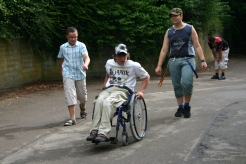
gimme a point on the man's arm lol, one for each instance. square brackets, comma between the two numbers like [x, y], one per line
[212, 49]
[198, 48]
[163, 53]
[105, 80]
[145, 82]
[219, 47]
[220, 54]
[214, 53]
[60, 65]
[86, 61]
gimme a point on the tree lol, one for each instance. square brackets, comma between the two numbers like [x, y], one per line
[234, 32]
[101, 23]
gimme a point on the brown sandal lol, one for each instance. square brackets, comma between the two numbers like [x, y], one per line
[83, 112]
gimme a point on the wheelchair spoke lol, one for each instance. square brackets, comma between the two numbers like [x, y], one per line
[140, 120]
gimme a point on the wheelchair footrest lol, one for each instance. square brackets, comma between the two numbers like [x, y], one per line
[113, 140]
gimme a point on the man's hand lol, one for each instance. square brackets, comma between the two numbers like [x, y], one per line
[85, 67]
[218, 59]
[139, 95]
[204, 66]
[158, 70]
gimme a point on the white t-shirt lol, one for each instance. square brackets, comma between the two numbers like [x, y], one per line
[124, 75]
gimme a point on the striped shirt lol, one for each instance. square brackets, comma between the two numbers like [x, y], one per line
[73, 60]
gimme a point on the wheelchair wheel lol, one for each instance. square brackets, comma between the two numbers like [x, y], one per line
[124, 138]
[138, 118]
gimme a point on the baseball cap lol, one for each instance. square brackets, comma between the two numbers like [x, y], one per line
[176, 11]
[120, 48]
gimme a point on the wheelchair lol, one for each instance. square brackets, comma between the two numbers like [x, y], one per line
[135, 114]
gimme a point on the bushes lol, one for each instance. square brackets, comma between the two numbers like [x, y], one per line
[35, 20]
[140, 24]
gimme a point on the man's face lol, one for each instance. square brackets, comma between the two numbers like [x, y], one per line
[121, 58]
[176, 18]
[72, 38]
[213, 44]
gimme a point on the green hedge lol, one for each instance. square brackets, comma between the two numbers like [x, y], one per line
[141, 24]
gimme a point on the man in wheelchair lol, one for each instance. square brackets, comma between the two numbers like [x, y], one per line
[119, 81]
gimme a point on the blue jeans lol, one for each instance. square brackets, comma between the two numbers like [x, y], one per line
[182, 76]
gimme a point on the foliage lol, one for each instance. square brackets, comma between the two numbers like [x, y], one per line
[234, 33]
[34, 20]
[140, 24]
[207, 16]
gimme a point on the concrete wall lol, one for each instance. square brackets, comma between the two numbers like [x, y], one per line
[18, 64]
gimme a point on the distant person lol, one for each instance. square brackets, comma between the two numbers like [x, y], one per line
[220, 50]
[74, 61]
[183, 41]
[120, 80]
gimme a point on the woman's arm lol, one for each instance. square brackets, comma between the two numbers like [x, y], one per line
[198, 48]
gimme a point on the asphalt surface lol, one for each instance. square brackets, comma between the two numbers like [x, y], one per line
[32, 131]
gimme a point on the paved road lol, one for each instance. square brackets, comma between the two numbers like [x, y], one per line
[32, 131]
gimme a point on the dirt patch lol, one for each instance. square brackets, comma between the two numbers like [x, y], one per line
[22, 90]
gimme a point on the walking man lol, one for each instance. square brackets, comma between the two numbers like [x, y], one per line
[183, 41]
[74, 61]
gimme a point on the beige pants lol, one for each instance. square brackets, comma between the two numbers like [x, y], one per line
[74, 89]
[105, 107]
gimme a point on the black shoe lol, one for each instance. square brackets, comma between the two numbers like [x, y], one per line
[186, 112]
[92, 136]
[222, 78]
[179, 112]
[101, 138]
[215, 77]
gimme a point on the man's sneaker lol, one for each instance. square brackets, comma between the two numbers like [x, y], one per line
[92, 136]
[179, 112]
[215, 77]
[222, 78]
[186, 112]
[101, 138]
[70, 122]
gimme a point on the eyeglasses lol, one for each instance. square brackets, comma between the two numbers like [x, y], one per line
[162, 77]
